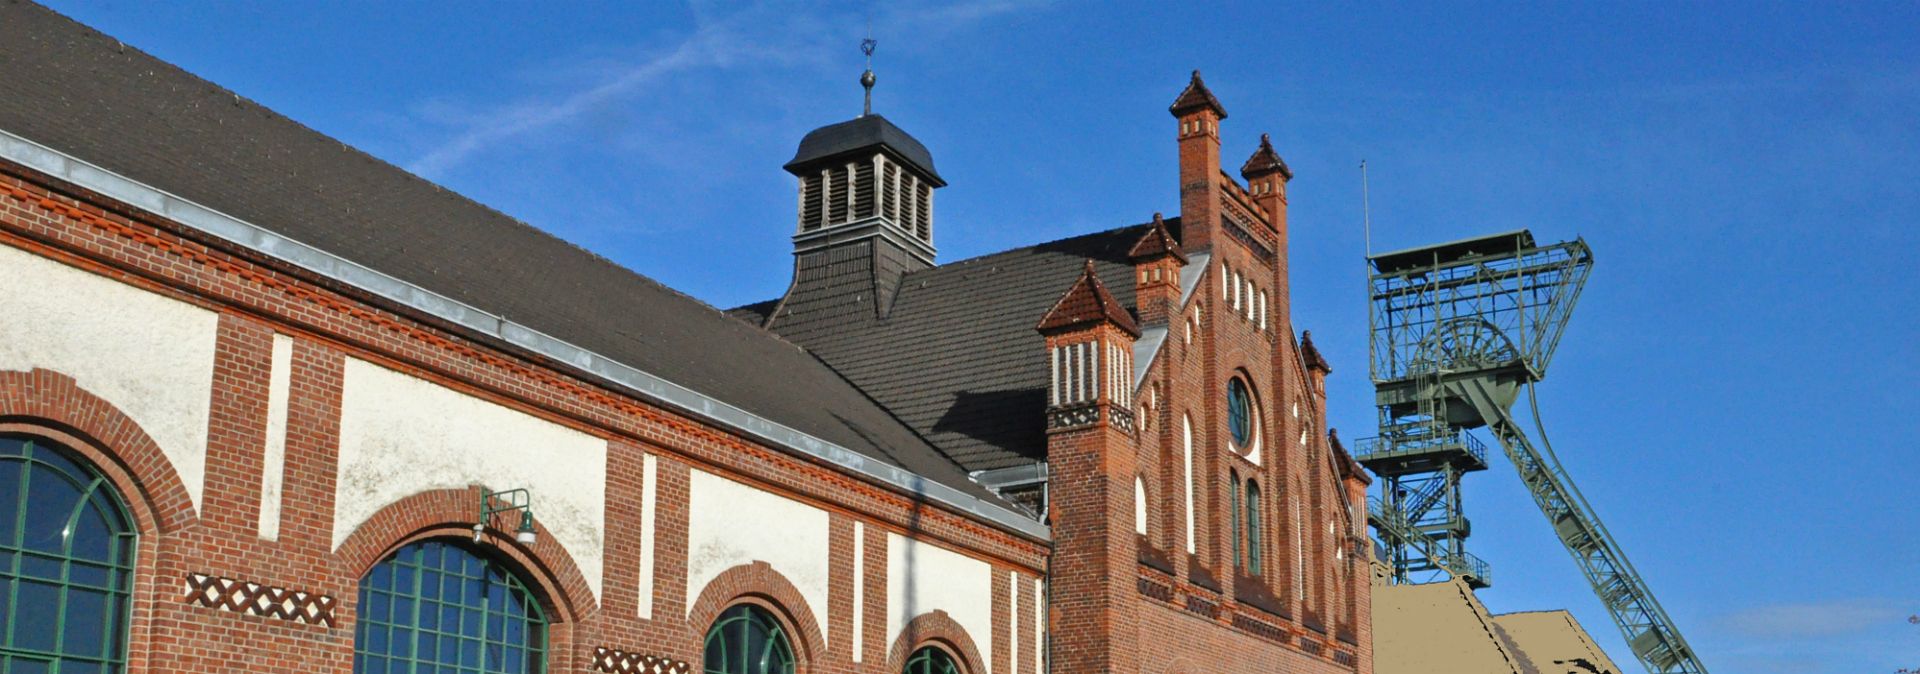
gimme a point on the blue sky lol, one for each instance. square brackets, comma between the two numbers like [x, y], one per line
[1735, 395]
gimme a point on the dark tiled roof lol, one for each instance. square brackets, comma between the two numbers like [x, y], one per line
[1196, 96]
[1086, 303]
[1155, 242]
[69, 87]
[860, 133]
[1265, 161]
[975, 383]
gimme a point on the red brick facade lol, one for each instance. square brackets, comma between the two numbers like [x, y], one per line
[218, 546]
[1150, 606]
[212, 595]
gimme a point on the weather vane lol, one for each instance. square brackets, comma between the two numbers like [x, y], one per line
[866, 78]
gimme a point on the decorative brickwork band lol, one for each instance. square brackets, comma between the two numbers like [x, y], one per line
[242, 596]
[617, 661]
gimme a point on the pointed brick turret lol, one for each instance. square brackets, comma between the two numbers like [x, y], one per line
[1157, 259]
[1315, 361]
[1092, 466]
[1086, 303]
[1199, 114]
[1196, 97]
[1265, 162]
[1156, 243]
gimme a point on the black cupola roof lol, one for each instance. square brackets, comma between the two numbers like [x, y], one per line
[861, 134]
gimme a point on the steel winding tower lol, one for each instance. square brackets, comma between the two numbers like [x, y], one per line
[1457, 330]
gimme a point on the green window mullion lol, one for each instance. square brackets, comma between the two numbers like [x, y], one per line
[69, 625]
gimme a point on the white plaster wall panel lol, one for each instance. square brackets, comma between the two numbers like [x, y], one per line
[272, 477]
[649, 467]
[730, 524]
[1013, 620]
[149, 355]
[401, 435]
[859, 589]
[922, 578]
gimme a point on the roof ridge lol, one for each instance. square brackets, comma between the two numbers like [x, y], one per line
[1064, 239]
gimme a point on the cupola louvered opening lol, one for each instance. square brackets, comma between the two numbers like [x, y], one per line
[863, 189]
[909, 201]
[839, 197]
[890, 190]
[812, 199]
[923, 220]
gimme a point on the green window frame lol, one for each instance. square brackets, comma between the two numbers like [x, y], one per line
[66, 562]
[1233, 512]
[746, 639]
[440, 606]
[1240, 413]
[1253, 528]
[931, 660]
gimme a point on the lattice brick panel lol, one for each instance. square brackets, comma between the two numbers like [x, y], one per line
[241, 596]
[621, 662]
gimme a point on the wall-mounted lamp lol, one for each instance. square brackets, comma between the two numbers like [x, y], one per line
[511, 499]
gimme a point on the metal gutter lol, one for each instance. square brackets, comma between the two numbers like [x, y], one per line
[258, 239]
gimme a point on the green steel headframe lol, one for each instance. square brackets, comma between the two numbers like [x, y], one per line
[1501, 294]
[1457, 330]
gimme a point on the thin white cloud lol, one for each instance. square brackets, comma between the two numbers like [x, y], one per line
[762, 35]
[1813, 620]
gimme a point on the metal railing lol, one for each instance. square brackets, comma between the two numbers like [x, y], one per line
[1420, 441]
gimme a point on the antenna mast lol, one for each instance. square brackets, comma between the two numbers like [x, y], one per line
[1366, 208]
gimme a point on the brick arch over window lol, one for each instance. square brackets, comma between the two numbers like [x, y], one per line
[49, 403]
[938, 629]
[760, 584]
[545, 566]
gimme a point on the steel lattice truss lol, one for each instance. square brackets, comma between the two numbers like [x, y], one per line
[1457, 330]
[1504, 295]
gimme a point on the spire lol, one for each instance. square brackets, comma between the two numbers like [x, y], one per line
[1264, 162]
[1196, 96]
[1156, 242]
[867, 79]
[1087, 302]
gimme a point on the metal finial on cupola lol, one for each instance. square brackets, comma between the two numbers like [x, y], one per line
[867, 78]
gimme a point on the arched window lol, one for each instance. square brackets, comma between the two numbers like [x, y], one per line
[747, 640]
[440, 606]
[1233, 512]
[1240, 415]
[931, 660]
[1253, 528]
[66, 562]
[1140, 505]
